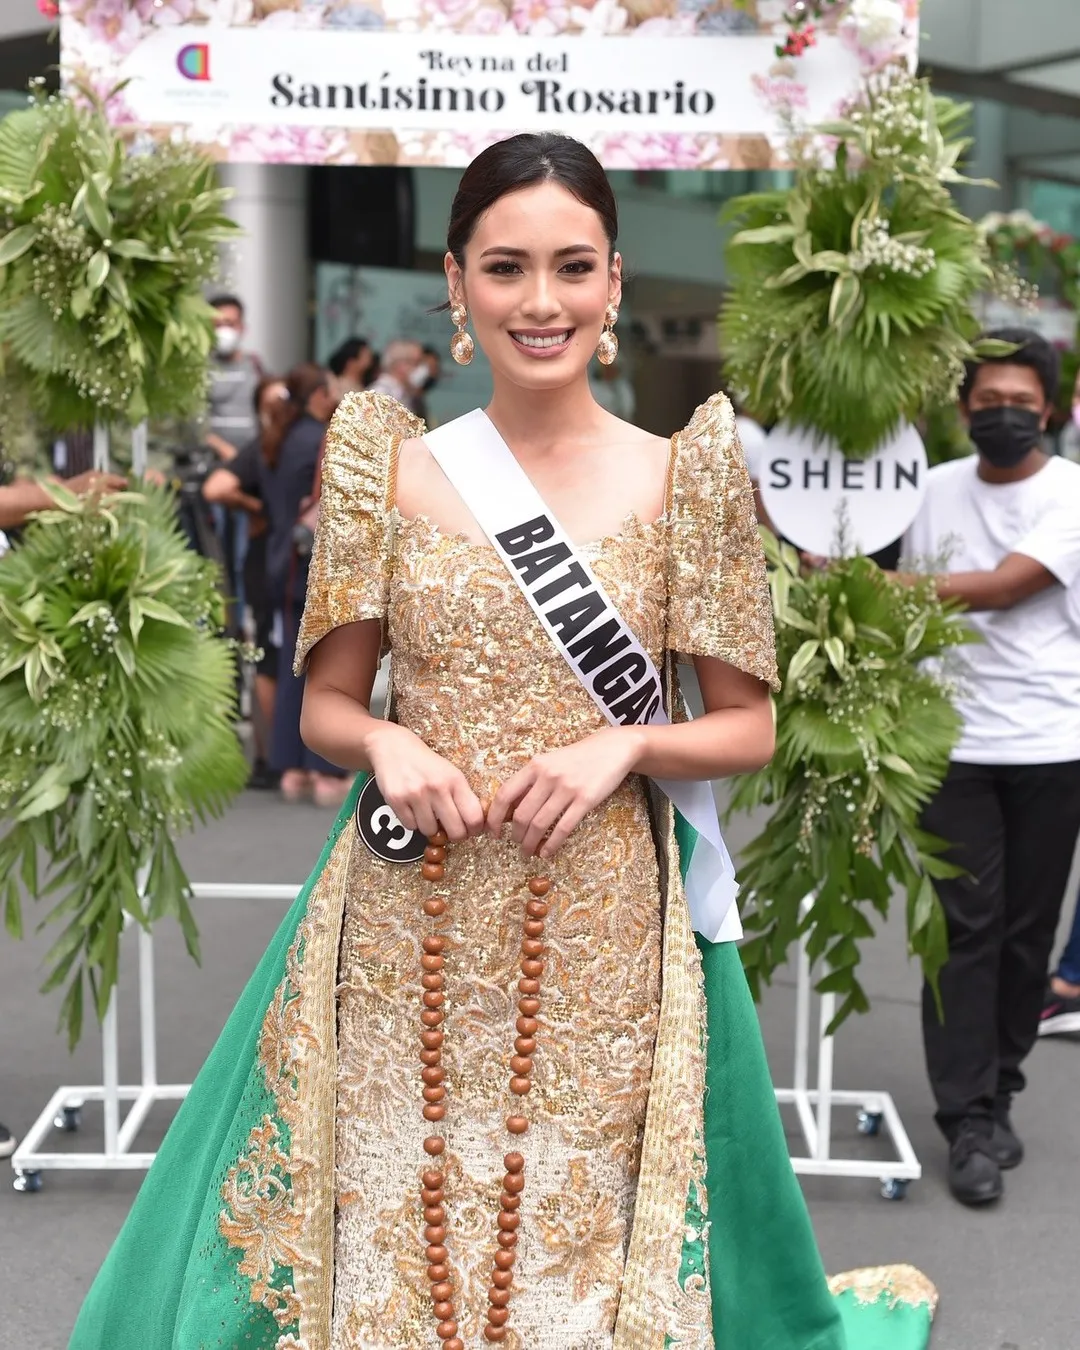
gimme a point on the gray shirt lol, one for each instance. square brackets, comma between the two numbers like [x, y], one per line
[231, 398]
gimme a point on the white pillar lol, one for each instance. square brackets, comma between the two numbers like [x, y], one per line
[268, 266]
[988, 158]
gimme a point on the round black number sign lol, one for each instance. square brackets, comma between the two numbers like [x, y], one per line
[382, 832]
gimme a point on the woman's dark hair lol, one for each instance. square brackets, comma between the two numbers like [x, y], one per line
[349, 350]
[301, 382]
[1032, 350]
[520, 162]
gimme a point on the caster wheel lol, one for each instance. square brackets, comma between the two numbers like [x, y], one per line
[868, 1122]
[68, 1119]
[892, 1188]
[27, 1181]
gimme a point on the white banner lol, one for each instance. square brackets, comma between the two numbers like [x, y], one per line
[464, 83]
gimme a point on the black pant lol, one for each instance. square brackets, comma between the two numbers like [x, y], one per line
[1013, 829]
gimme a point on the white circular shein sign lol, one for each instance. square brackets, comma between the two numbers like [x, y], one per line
[814, 494]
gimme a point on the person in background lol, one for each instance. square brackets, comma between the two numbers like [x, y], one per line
[291, 452]
[351, 366]
[1070, 435]
[1061, 1006]
[232, 422]
[239, 487]
[424, 379]
[1010, 802]
[402, 371]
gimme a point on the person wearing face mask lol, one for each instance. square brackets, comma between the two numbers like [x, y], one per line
[1008, 522]
[423, 379]
[403, 372]
[351, 365]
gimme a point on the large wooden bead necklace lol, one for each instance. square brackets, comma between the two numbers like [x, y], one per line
[433, 1194]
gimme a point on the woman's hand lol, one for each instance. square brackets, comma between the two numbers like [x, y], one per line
[425, 791]
[557, 790]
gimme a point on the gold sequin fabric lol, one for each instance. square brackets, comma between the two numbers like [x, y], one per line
[477, 678]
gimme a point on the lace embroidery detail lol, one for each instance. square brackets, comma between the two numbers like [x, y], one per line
[895, 1284]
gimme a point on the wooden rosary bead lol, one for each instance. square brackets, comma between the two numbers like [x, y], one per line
[533, 928]
[443, 1290]
[514, 1163]
[437, 1254]
[525, 1045]
[434, 998]
[434, 1145]
[433, 1179]
[431, 979]
[446, 1330]
[432, 1195]
[502, 1280]
[507, 1240]
[508, 1221]
[434, 1095]
[498, 1298]
[430, 1057]
[517, 1124]
[521, 1064]
[491, 1333]
[431, 1017]
[454, 1343]
[439, 1272]
[534, 969]
[434, 854]
[528, 1026]
[434, 1112]
[537, 909]
[439, 839]
[520, 1086]
[513, 1183]
[435, 1232]
[498, 1317]
[433, 1075]
[434, 907]
[532, 947]
[539, 886]
[528, 1007]
[431, 963]
[432, 871]
[435, 1214]
[443, 1310]
[504, 1259]
[510, 1202]
[528, 986]
[434, 945]
[431, 1040]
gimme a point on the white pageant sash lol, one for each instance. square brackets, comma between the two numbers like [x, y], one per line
[589, 632]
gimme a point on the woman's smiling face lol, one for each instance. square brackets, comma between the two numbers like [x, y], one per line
[539, 275]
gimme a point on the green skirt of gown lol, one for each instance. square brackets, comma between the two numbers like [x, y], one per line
[173, 1282]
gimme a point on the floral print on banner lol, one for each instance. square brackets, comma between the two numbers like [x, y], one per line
[97, 35]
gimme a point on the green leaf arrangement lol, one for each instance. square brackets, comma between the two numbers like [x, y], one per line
[116, 703]
[849, 309]
[104, 254]
[864, 733]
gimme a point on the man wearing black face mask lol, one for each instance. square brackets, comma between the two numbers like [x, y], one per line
[1007, 520]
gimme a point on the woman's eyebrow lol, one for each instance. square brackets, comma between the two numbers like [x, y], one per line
[524, 252]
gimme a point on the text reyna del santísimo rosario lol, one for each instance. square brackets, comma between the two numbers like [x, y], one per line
[546, 93]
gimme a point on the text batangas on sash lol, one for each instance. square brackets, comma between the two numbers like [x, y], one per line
[598, 643]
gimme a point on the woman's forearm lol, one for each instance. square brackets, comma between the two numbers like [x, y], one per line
[341, 729]
[19, 500]
[717, 745]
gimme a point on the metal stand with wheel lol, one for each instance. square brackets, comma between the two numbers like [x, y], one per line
[873, 1111]
[65, 1106]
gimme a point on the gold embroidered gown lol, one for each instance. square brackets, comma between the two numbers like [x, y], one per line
[283, 1211]
[479, 681]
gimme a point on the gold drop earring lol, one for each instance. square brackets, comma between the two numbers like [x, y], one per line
[461, 344]
[607, 349]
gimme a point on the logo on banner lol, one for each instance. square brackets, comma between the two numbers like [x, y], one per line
[812, 492]
[193, 61]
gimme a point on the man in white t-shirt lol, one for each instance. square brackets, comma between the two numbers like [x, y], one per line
[1005, 523]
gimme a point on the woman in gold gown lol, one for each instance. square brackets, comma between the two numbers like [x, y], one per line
[474, 1108]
